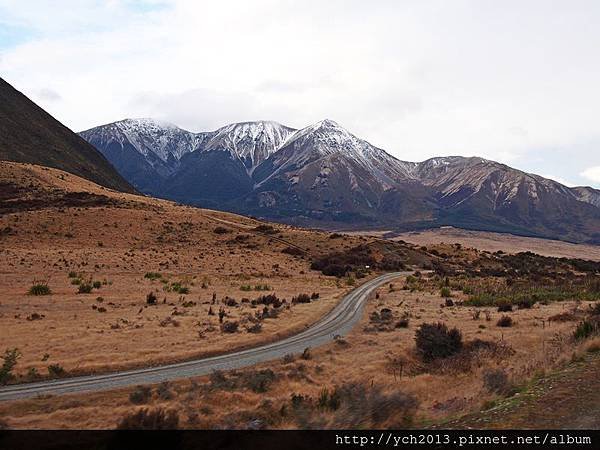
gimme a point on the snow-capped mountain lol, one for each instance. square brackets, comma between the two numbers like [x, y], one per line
[323, 174]
[252, 142]
[147, 136]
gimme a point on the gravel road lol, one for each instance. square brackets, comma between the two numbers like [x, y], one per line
[337, 322]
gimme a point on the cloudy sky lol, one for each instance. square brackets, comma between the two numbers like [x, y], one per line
[514, 81]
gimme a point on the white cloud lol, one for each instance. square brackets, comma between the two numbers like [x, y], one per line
[511, 81]
[592, 174]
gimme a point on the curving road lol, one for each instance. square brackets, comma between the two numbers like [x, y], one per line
[337, 322]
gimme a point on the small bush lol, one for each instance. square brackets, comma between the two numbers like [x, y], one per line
[505, 307]
[585, 329]
[255, 328]
[151, 298]
[301, 298]
[497, 382]
[265, 229]
[402, 323]
[39, 288]
[10, 358]
[152, 275]
[97, 284]
[306, 354]
[505, 321]
[85, 288]
[294, 251]
[229, 327]
[140, 395]
[72, 274]
[445, 292]
[221, 230]
[288, 358]
[258, 380]
[526, 303]
[56, 370]
[437, 341]
[150, 419]
[164, 392]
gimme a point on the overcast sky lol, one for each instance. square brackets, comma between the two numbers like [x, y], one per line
[514, 81]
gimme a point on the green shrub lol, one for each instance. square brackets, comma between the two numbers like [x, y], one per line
[97, 284]
[39, 288]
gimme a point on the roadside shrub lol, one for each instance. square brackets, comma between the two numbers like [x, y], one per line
[435, 340]
[505, 321]
[56, 370]
[164, 392]
[10, 358]
[306, 353]
[39, 288]
[496, 381]
[140, 395]
[150, 419]
[258, 380]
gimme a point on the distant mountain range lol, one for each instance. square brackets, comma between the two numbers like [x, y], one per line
[28, 134]
[323, 175]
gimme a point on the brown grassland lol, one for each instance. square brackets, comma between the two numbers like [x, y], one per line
[517, 317]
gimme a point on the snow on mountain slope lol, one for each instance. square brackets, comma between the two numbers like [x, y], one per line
[252, 142]
[325, 139]
[147, 136]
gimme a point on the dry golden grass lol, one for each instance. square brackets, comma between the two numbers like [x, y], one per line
[117, 244]
[365, 356]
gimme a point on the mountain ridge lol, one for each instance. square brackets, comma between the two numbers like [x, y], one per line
[324, 175]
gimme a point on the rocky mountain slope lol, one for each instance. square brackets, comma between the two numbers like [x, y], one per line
[28, 134]
[324, 175]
